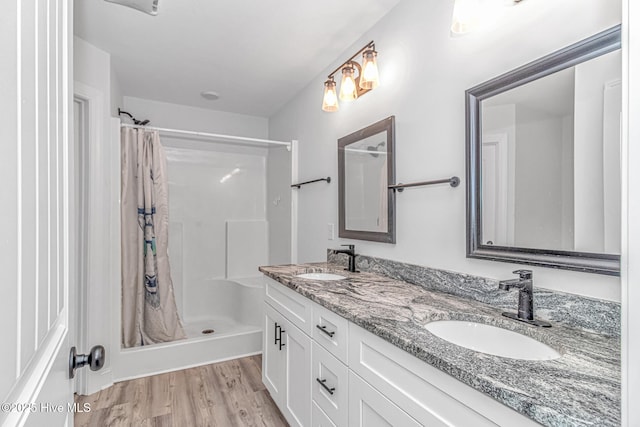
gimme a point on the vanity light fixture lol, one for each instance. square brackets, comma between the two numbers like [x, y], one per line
[356, 79]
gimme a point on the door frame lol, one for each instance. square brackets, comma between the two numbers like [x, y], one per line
[630, 253]
[96, 267]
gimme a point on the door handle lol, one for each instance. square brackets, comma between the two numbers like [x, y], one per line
[95, 359]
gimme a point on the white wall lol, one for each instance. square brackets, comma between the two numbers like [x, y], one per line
[117, 97]
[92, 66]
[538, 178]
[424, 73]
[177, 116]
[591, 78]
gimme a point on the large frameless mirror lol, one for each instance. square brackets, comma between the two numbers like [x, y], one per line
[365, 170]
[543, 160]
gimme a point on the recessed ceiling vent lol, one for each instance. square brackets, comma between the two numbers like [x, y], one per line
[210, 95]
[146, 6]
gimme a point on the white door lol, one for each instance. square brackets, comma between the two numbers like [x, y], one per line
[495, 223]
[36, 219]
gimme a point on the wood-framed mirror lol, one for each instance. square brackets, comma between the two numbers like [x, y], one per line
[543, 160]
[366, 167]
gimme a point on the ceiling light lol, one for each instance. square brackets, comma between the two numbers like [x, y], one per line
[468, 15]
[356, 80]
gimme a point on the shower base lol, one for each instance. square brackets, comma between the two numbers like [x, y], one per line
[237, 333]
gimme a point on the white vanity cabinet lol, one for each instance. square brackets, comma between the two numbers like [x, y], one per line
[286, 361]
[330, 386]
[369, 408]
[324, 371]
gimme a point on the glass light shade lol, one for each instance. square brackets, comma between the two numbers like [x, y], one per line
[330, 99]
[466, 16]
[348, 88]
[369, 78]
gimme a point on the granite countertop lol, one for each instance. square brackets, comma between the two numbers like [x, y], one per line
[581, 388]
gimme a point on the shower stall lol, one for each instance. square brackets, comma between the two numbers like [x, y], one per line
[222, 192]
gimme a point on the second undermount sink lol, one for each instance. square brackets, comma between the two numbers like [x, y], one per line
[321, 276]
[491, 340]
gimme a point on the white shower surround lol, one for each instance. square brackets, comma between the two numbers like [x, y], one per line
[211, 220]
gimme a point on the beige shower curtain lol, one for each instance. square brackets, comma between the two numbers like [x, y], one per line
[149, 313]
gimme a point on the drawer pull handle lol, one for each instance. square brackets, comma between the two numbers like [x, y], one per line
[280, 339]
[322, 383]
[275, 334]
[324, 329]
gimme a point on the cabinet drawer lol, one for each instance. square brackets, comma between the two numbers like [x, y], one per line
[331, 331]
[330, 385]
[424, 392]
[293, 306]
[319, 418]
[369, 408]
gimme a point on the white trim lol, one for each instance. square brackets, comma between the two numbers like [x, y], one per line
[115, 246]
[97, 190]
[630, 250]
[19, 224]
[189, 366]
[91, 101]
[294, 201]
[218, 136]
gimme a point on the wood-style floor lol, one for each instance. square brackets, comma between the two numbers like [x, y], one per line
[226, 394]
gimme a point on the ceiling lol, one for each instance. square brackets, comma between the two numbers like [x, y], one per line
[257, 54]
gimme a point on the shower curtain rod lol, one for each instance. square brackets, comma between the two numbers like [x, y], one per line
[209, 135]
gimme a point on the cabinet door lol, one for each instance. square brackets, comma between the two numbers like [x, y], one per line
[330, 385]
[273, 354]
[319, 418]
[369, 408]
[297, 355]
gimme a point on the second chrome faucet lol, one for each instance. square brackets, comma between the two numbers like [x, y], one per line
[525, 298]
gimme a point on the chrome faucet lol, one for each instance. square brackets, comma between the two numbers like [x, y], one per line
[351, 252]
[525, 299]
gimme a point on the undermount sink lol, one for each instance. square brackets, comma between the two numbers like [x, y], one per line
[491, 340]
[320, 276]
